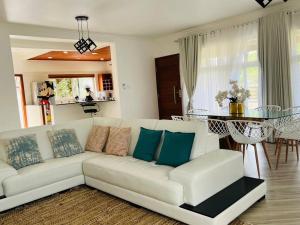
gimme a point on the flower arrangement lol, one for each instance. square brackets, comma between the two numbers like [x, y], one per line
[235, 95]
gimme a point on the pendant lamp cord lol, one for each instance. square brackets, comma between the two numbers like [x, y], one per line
[87, 28]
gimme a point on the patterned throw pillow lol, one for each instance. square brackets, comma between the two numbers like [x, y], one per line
[97, 139]
[64, 143]
[118, 141]
[23, 151]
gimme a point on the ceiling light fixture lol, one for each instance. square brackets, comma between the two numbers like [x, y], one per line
[265, 3]
[82, 45]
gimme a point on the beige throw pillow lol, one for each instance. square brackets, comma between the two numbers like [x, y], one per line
[118, 141]
[97, 139]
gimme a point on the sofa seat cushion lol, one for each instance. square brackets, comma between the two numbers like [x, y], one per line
[39, 175]
[5, 172]
[136, 175]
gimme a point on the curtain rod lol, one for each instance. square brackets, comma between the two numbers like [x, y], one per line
[216, 30]
[237, 25]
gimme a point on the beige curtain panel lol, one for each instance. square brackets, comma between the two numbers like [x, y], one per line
[274, 56]
[188, 48]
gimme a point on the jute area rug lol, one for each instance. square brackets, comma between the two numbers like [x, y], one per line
[84, 206]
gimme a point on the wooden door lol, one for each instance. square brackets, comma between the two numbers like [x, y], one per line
[21, 100]
[168, 86]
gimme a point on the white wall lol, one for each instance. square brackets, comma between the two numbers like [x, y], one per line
[9, 114]
[134, 66]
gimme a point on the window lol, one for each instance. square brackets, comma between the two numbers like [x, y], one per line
[228, 55]
[70, 86]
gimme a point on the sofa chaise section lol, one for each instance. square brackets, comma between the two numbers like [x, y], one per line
[205, 176]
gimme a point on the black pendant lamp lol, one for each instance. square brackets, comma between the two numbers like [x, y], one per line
[265, 3]
[82, 45]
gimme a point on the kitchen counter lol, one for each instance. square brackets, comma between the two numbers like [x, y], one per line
[72, 103]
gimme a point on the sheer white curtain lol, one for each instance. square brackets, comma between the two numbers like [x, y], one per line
[229, 54]
[295, 59]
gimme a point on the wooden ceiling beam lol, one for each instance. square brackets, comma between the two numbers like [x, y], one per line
[101, 54]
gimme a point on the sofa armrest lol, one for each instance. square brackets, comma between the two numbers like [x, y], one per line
[5, 171]
[208, 174]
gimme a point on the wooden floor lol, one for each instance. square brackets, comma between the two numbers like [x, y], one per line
[282, 203]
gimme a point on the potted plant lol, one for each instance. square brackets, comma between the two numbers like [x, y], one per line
[236, 96]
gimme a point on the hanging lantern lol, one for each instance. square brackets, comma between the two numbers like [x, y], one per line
[82, 45]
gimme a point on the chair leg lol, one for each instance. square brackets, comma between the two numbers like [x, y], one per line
[279, 151]
[297, 151]
[266, 153]
[257, 162]
[238, 147]
[228, 142]
[287, 150]
[277, 144]
[244, 152]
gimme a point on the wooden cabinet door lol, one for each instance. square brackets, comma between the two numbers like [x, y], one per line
[168, 86]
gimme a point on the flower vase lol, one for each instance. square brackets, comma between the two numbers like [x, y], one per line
[236, 108]
[241, 108]
[233, 108]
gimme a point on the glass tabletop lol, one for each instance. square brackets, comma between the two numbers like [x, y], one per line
[249, 114]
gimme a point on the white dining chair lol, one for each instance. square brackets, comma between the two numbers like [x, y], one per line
[220, 128]
[292, 109]
[280, 124]
[246, 133]
[287, 132]
[198, 114]
[269, 108]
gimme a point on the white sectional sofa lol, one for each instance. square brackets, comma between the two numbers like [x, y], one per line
[159, 188]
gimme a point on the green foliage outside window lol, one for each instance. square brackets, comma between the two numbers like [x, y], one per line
[64, 88]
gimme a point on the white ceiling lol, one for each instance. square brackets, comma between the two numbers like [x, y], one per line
[131, 17]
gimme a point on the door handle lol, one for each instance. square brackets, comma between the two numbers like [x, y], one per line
[174, 95]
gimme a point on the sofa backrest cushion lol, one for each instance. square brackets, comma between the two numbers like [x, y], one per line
[107, 121]
[197, 127]
[136, 125]
[41, 136]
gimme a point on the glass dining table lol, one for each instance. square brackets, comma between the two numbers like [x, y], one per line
[249, 114]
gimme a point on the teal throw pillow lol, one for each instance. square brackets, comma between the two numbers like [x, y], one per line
[176, 148]
[64, 143]
[147, 144]
[23, 151]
